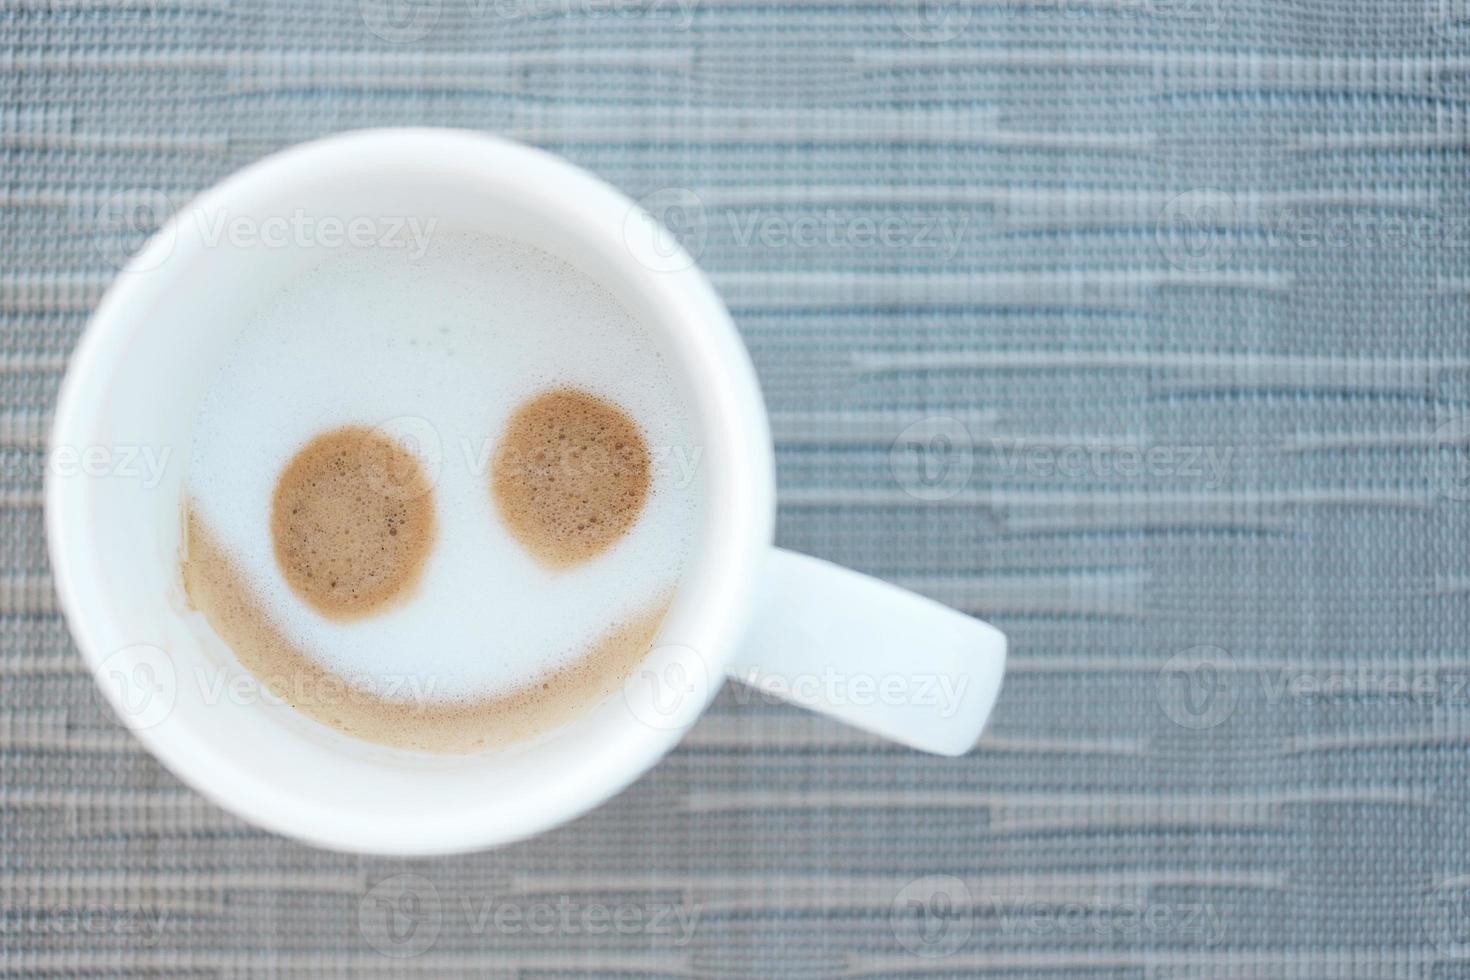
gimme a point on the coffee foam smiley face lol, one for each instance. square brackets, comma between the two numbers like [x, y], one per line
[533, 548]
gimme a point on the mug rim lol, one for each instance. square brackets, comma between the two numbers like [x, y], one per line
[727, 376]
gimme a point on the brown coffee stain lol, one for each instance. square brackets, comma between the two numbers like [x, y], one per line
[217, 589]
[570, 475]
[352, 522]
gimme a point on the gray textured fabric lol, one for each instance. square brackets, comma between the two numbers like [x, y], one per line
[1189, 277]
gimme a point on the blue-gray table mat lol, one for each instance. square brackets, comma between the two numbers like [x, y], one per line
[1190, 276]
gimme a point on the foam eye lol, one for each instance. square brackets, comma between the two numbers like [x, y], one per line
[352, 522]
[570, 476]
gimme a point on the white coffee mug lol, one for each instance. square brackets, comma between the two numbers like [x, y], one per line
[830, 639]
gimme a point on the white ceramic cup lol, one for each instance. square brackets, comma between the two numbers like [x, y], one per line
[835, 641]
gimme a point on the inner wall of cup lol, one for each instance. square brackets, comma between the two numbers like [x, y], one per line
[189, 309]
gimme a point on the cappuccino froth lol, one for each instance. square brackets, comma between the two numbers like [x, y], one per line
[439, 355]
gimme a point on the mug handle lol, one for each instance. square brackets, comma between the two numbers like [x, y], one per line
[871, 654]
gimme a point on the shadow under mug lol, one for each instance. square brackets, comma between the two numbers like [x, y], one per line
[830, 639]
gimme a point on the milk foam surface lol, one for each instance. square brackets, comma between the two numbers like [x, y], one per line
[443, 349]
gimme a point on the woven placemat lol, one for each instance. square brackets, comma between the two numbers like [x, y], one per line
[1170, 299]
